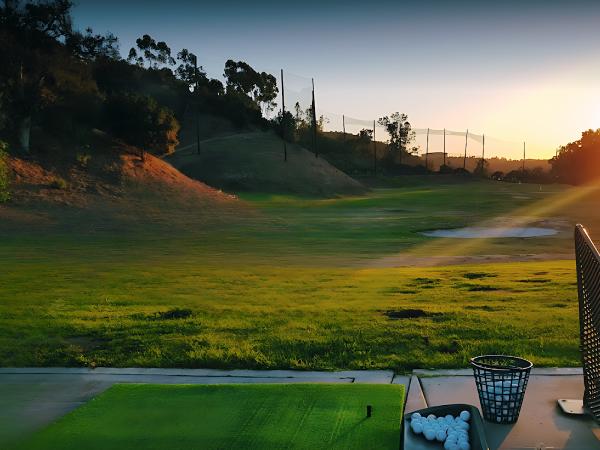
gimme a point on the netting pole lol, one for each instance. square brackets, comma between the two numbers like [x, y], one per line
[465, 157]
[523, 156]
[427, 152]
[483, 153]
[400, 139]
[196, 92]
[314, 114]
[444, 146]
[344, 126]
[283, 118]
[374, 152]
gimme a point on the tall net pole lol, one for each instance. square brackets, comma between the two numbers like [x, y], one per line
[374, 151]
[444, 146]
[483, 152]
[314, 117]
[523, 156]
[465, 157]
[196, 92]
[283, 118]
[427, 152]
[344, 126]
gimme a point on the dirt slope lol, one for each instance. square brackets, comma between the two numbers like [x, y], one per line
[112, 189]
[254, 162]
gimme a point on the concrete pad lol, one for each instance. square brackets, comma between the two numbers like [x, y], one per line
[415, 398]
[469, 372]
[27, 406]
[541, 423]
[356, 376]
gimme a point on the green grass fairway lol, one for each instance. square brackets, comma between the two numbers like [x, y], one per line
[188, 417]
[301, 286]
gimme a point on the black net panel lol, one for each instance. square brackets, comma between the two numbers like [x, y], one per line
[588, 282]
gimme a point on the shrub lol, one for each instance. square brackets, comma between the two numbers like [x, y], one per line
[142, 122]
[59, 183]
[4, 174]
[83, 159]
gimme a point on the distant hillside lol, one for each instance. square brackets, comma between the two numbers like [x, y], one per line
[110, 188]
[254, 162]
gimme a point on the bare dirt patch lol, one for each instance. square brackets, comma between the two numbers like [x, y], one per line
[396, 314]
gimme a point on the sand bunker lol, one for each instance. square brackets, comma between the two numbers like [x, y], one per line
[492, 232]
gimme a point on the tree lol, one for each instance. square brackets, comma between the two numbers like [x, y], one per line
[286, 126]
[29, 43]
[92, 46]
[401, 135]
[142, 122]
[43, 62]
[481, 168]
[242, 79]
[189, 71]
[155, 54]
[579, 161]
[365, 135]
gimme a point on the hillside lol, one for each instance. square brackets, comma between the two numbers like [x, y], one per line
[109, 187]
[254, 162]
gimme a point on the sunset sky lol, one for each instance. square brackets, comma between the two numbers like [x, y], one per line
[527, 70]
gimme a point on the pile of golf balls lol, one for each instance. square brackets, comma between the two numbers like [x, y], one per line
[452, 431]
[501, 397]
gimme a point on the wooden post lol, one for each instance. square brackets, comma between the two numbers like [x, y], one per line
[283, 118]
[444, 146]
[465, 157]
[374, 152]
[314, 114]
[427, 152]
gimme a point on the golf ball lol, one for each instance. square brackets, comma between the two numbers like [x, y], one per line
[429, 434]
[465, 415]
[441, 435]
[417, 427]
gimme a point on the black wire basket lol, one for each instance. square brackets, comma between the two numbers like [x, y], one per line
[501, 382]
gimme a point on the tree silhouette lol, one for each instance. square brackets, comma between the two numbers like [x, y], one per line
[242, 79]
[401, 135]
[155, 54]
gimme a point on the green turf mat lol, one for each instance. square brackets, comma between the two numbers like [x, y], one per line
[264, 416]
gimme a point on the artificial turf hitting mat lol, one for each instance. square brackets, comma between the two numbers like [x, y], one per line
[260, 416]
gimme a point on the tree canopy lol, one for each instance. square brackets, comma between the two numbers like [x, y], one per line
[578, 162]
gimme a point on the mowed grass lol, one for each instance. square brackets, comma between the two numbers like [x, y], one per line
[172, 417]
[292, 287]
[181, 313]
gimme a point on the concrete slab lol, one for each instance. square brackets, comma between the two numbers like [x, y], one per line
[356, 376]
[27, 406]
[541, 424]
[469, 372]
[415, 399]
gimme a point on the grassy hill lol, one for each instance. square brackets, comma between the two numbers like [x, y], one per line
[253, 162]
[107, 185]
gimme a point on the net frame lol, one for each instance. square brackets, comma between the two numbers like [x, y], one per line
[588, 285]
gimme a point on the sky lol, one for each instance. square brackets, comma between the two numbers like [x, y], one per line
[513, 70]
